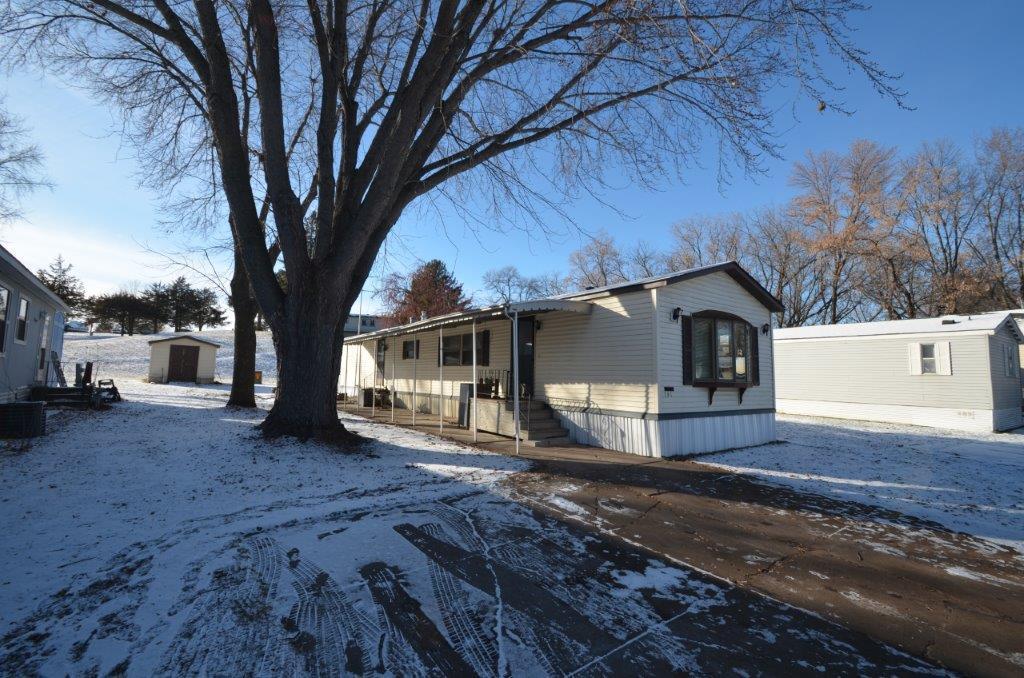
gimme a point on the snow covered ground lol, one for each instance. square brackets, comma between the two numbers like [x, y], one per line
[115, 356]
[165, 537]
[972, 483]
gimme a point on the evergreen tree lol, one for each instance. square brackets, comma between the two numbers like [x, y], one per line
[64, 284]
[158, 299]
[430, 289]
[205, 312]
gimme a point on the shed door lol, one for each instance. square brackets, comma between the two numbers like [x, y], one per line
[184, 363]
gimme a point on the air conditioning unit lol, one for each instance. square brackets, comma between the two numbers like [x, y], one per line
[25, 419]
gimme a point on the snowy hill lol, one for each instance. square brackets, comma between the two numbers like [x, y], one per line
[128, 356]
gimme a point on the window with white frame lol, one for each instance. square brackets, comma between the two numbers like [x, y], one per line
[928, 365]
[5, 296]
[930, 357]
[21, 329]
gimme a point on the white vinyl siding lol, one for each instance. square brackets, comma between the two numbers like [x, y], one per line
[604, 359]
[1006, 388]
[719, 292]
[874, 370]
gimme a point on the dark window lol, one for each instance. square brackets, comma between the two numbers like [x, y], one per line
[411, 350]
[382, 352]
[21, 331]
[483, 348]
[451, 351]
[457, 350]
[723, 350]
[5, 296]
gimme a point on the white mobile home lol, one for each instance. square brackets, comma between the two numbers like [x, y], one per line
[956, 372]
[31, 330]
[675, 364]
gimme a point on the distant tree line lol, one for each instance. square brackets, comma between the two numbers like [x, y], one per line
[178, 304]
[869, 235]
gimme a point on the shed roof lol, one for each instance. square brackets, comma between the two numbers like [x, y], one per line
[982, 322]
[185, 336]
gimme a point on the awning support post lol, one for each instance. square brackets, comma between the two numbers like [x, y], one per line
[359, 376]
[440, 378]
[373, 388]
[515, 373]
[415, 359]
[392, 382]
[472, 413]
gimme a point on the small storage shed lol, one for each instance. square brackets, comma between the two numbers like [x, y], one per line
[182, 358]
[954, 372]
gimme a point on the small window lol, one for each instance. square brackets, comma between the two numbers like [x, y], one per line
[21, 331]
[5, 295]
[1009, 361]
[702, 348]
[928, 365]
[411, 350]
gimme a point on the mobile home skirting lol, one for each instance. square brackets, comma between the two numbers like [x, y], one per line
[668, 435]
[962, 419]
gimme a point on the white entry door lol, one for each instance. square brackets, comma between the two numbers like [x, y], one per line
[44, 347]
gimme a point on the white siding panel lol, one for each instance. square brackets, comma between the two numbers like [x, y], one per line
[717, 291]
[1006, 390]
[668, 437]
[877, 370]
[695, 435]
[964, 419]
[610, 431]
[604, 359]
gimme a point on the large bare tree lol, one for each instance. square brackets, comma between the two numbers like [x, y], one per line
[428, 97]
[20, 165]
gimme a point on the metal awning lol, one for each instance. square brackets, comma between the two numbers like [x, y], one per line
[479, 314]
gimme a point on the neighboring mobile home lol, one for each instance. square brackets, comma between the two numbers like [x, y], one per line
[669, 365]
[31, 330]
[956, 372]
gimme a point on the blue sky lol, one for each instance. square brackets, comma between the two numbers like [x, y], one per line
[962, 68]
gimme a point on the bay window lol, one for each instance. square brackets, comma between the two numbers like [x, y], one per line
[719, 350]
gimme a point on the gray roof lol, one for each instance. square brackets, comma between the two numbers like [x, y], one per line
[982, 322]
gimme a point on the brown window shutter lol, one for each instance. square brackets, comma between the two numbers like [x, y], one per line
[755, 360]
[686, 323]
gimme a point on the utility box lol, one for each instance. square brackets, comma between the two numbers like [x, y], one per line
[25, 419]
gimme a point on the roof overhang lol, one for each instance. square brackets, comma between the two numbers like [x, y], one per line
[730, 268]
[32, 279]
[480, 314]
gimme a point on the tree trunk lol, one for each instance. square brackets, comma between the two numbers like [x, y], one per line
[308, 339]
[243, 383]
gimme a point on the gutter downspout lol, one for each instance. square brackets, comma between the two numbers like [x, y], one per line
[515, 369]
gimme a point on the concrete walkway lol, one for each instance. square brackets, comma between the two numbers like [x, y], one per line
[944, 596]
